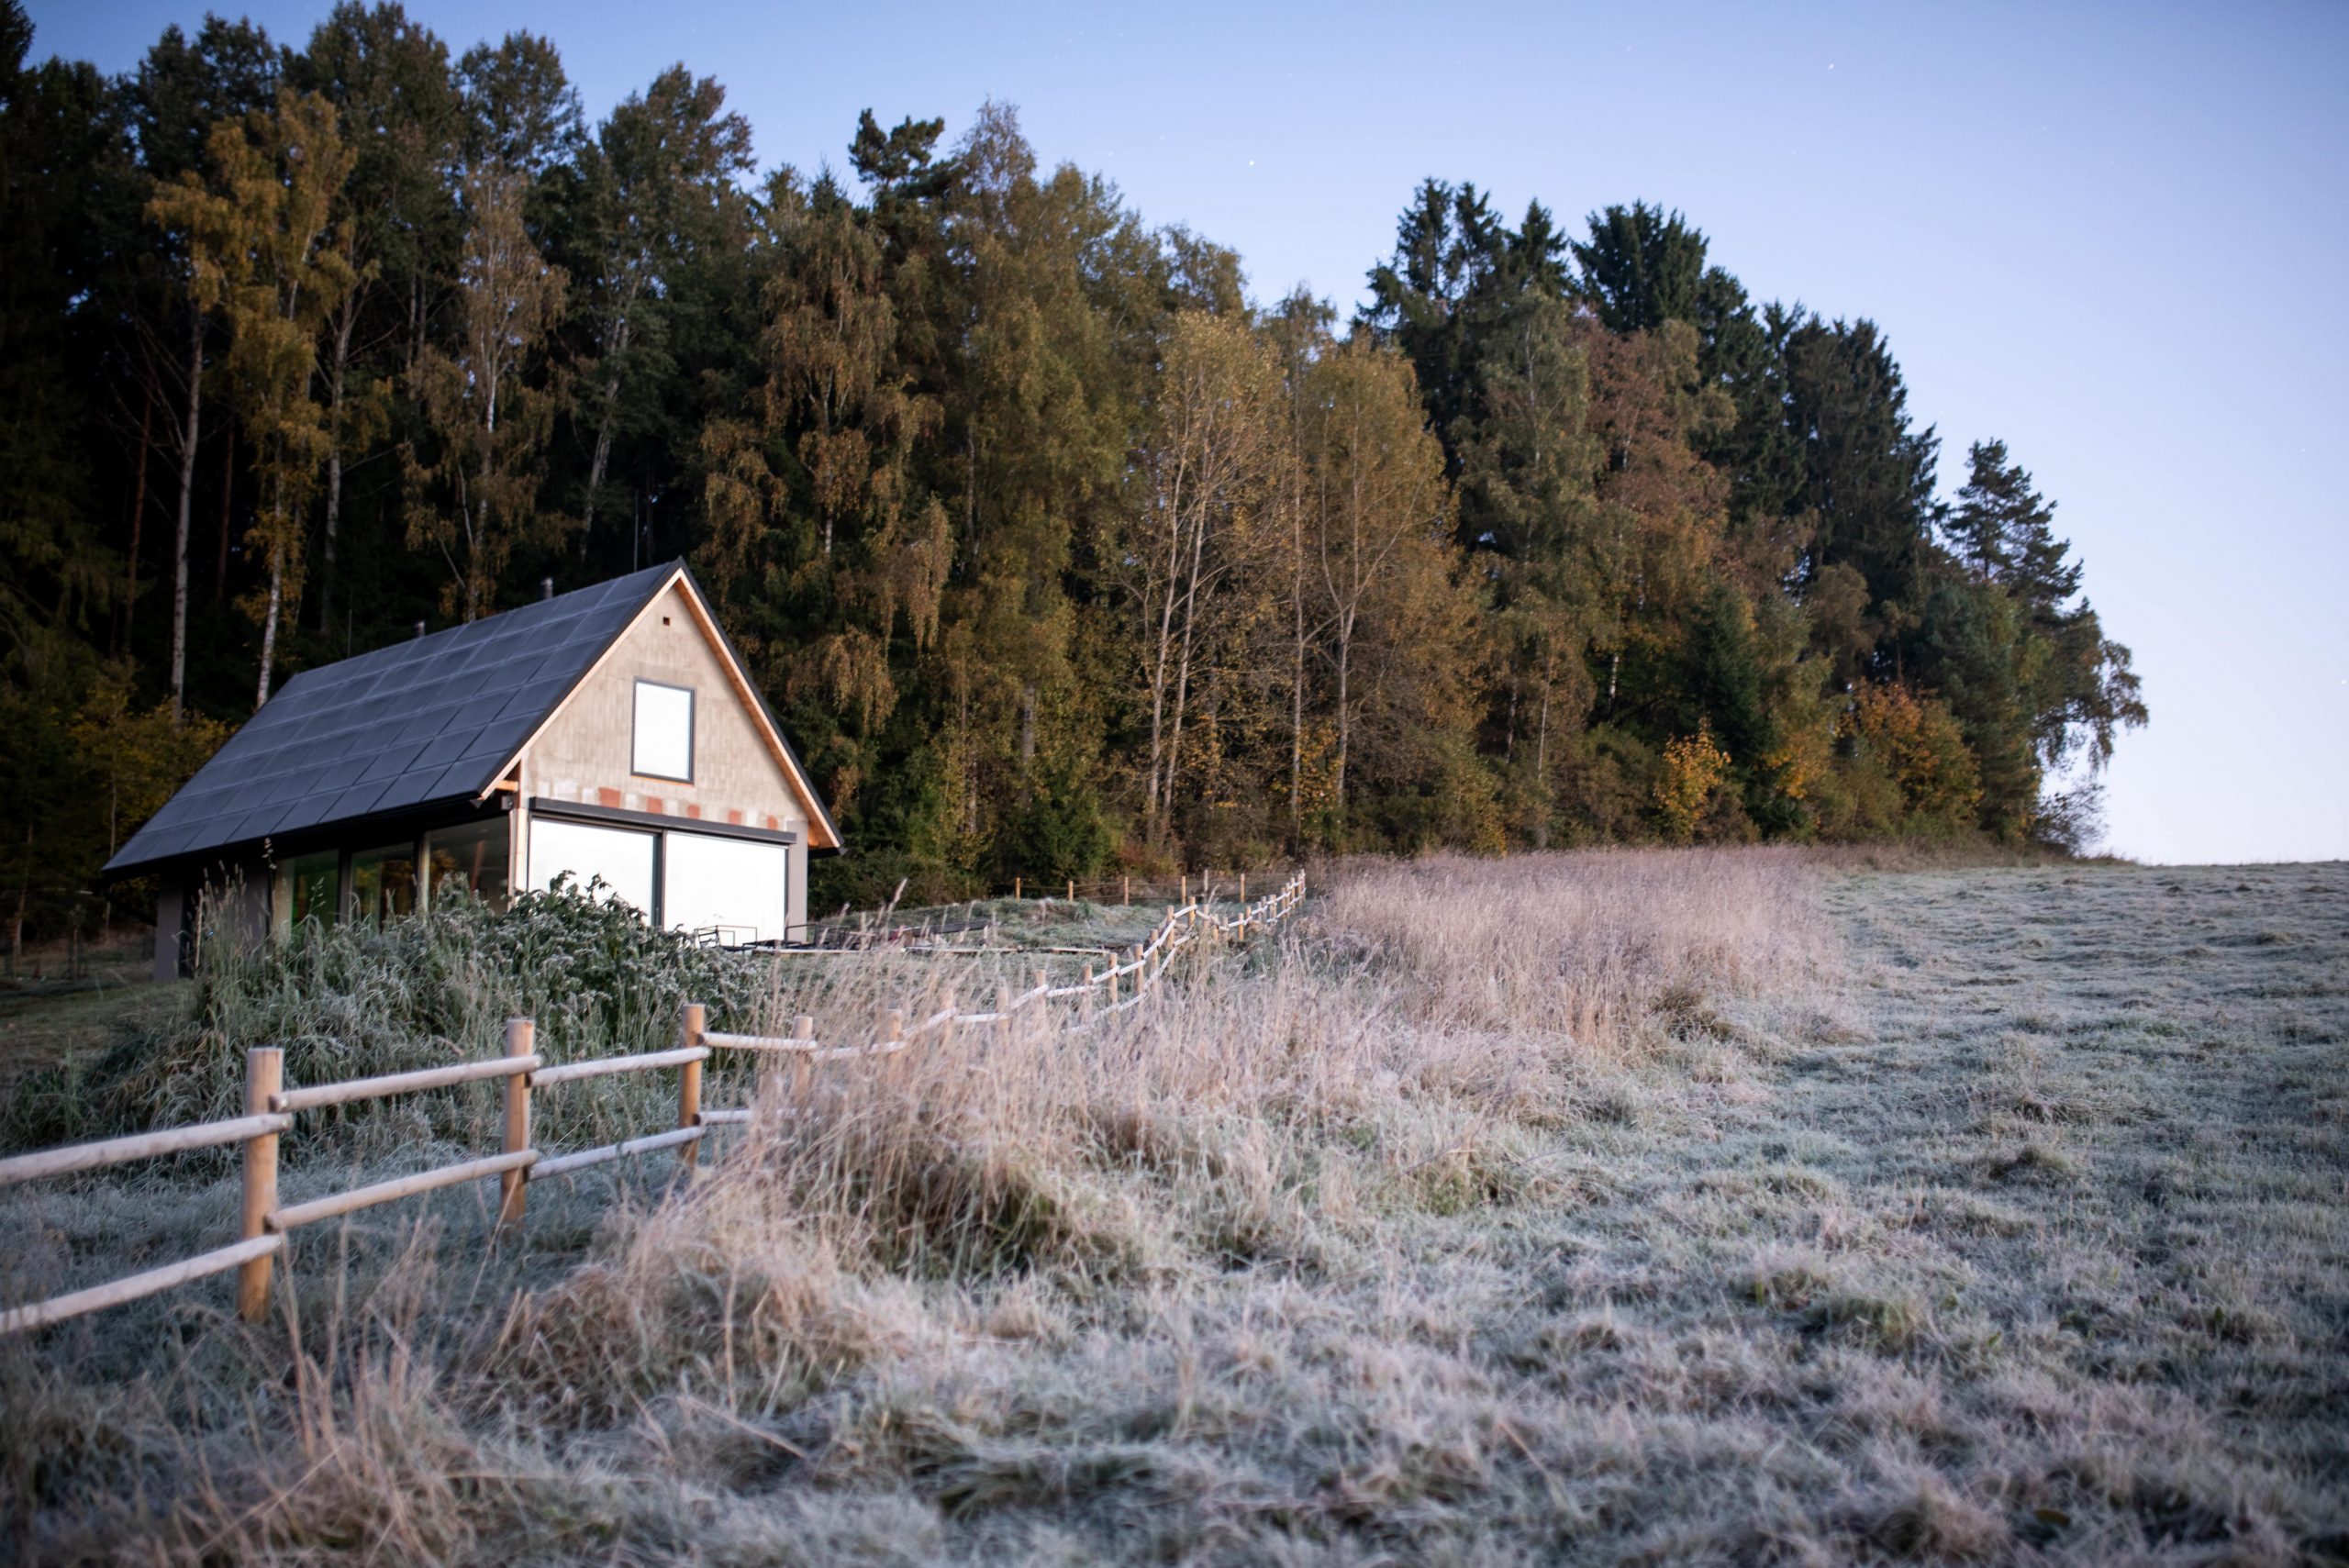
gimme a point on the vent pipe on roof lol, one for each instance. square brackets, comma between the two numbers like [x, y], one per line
[546, 589]
[420, 629]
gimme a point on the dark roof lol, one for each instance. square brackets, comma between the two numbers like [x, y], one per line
[419, 723]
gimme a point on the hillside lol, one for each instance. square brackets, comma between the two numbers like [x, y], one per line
[1724, 1206]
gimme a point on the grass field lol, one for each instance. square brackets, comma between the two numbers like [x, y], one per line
[1708, 1207]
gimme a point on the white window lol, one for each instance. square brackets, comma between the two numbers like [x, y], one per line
[728, 890]
[624, 859]
[664, 731]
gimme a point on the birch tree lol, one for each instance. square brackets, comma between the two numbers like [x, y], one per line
[488, 405]
[1377, 485]
[1207, 480]
[265, 254]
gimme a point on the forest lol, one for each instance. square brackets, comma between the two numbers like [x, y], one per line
[1054, 550]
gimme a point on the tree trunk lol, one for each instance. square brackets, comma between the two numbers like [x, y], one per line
[1345, 714]
[269, 623]
[138, 513]
[1542, 754]
[1296, 696]
[24, 895]
[1027, 723]
[227, 481]
[331, 524]
[603, 457]
[189, 432]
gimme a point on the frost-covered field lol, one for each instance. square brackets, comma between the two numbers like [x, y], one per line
[1716, 1206]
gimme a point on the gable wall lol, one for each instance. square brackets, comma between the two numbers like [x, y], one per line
[585, 753]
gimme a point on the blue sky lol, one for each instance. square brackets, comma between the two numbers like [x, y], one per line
[2111, 235]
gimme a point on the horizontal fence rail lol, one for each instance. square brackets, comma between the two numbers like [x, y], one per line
[270, 1108]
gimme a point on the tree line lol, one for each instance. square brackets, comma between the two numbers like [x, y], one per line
[1051, 547]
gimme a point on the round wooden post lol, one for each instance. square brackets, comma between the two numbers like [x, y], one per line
[264, 1075]
[1071, 890]
[1126, 885]
[514, 1187]
[1015, 890]
[689, 1083]
[803, 1066]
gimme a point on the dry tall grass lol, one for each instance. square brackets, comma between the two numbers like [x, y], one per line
[1489, 1219]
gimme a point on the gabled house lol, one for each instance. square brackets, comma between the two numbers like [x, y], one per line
[607, 732]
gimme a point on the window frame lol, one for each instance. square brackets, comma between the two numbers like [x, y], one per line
[635, 731]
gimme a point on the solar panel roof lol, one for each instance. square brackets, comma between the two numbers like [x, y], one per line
[414, 724]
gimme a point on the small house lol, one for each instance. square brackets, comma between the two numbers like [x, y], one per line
[610, 732]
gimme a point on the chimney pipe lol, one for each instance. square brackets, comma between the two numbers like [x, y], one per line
[546, 589]
[420, 629]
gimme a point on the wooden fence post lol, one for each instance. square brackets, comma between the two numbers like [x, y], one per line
[264, 1075]
[689, 1084]
[1127, 894]
[1015, 890]
[803, 1063]
[514, 1187]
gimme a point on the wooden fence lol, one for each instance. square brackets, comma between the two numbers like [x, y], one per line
[270, 1108]
[858, 930]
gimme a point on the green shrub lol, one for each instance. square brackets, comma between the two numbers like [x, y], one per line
[354, 1000]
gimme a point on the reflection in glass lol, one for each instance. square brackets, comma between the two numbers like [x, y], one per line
[624, 859]
[307, 887]
[727, 890]
[470, 858]
[382, 883]
[664, 731]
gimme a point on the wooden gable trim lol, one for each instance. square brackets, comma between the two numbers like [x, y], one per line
[821, 834]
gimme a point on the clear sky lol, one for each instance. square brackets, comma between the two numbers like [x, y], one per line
[2112, 235]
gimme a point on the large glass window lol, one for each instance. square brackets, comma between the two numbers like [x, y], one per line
[382, 883]
[664, 731]
[306, 888]
[723, 890]
[623, 858]
[470, 858]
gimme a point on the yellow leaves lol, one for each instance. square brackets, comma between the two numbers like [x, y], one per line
[1916, 739]
[849, 669]
[262, 251]
[489, 406]
[143, 754]
[1694, 766]
[913, 567]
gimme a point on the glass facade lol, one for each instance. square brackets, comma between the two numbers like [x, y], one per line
[382, 883]
[623, 858]
[723, 890]
[469, 859]
[306, 885]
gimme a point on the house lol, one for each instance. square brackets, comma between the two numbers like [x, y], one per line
[609, 732]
